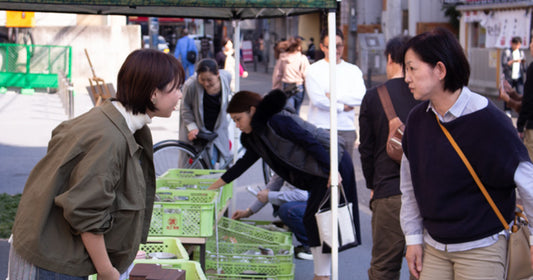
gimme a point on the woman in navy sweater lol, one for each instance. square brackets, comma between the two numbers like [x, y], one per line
[451, 231]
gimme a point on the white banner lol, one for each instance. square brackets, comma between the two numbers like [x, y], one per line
[501, 26]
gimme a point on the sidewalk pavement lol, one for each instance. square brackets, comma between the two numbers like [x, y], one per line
[29, 119]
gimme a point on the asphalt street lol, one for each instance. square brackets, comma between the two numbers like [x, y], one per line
[27, 121]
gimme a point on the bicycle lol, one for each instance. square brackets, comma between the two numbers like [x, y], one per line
[178, 154]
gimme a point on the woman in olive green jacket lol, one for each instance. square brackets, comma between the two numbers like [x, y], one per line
[87, 204]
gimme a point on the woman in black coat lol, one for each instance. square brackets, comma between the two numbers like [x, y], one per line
[297, 151]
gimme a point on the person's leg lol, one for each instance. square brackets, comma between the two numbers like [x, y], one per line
[436, 265]
[316, 193]
[346, 170]
[299, 98]
[291, 214]
[321, 264]
[481, 263]
[349, 137]
[388, 241]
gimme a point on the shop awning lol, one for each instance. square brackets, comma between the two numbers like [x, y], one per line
[213, 9]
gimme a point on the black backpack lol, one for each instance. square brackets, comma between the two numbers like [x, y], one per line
[191, 56]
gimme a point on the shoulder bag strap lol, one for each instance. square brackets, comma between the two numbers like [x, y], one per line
[328, 194]
[474, 175]
[386, 102]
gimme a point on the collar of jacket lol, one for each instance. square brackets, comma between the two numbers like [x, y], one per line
[118, 120]
[271, 104]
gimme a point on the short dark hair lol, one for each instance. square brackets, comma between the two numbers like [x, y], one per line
[324, 34]
[207, 65]
[441, 45]
[516, 40]
[242, 101]
[144, 71]
[395, 48]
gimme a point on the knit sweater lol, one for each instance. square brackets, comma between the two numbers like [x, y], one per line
[451, 205]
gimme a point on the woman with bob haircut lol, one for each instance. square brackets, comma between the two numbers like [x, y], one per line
[87, 204]
[204, 106]
[450, 229]
[297, 151]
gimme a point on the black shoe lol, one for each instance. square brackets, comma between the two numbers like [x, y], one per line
[303, 253]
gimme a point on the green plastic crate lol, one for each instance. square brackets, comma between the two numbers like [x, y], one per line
[245, 270]
[237, 252]
[193, 270]
[174, 246]
[245, 233]
[165, 245]
[185, 183]
[190, 214]
[203, 173]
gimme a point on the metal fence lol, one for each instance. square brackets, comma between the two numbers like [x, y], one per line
[33, 66]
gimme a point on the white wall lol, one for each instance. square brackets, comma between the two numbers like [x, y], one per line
[108, 47]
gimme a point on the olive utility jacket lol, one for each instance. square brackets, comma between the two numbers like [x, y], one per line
[96, 177]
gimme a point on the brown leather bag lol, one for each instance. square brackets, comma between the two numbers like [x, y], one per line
[396, 126]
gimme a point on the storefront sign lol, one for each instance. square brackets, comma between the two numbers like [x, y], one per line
[501, 26]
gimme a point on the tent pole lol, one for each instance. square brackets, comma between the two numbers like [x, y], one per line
[334, 169]
[236, 46]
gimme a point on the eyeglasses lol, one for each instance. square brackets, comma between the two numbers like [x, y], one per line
[338, 46]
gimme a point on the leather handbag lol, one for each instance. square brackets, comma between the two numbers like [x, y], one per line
[518, 264]
[346, 228]
[396, 126]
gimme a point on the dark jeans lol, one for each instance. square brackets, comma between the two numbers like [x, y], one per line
[291, 214]
[388, 243]
[518, 85]
[296, 100]
[43, 274]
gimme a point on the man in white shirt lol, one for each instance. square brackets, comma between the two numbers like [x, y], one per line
[350, 91]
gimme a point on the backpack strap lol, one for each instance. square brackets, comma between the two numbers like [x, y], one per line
[386, 102]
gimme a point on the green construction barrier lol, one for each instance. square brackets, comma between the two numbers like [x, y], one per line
[33, 66]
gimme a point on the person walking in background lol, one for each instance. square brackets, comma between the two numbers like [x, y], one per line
[513, 66]
[382, 174]
[524, 124]
[311, 50]
[289, 72]
[451, 231]
[289, 204]
[203, 107]
[86, 206]
[295, 150]
[186, 52]
[350, 91]
[226, 60]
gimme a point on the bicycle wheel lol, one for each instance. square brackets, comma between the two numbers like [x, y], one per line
[175, 154]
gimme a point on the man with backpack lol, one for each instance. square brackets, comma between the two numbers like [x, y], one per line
[186, 52]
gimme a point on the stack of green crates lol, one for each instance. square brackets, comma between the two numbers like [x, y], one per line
[193, 270]
[199, 179]
[240, 251]
[184, 206]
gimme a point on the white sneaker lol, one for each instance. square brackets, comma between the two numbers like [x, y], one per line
[303, 253]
